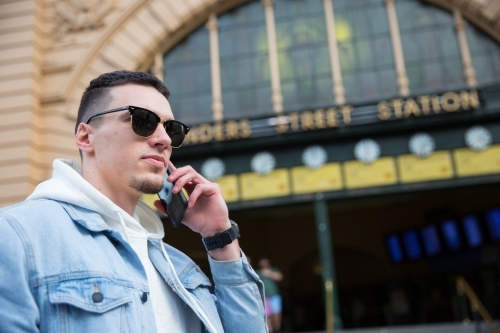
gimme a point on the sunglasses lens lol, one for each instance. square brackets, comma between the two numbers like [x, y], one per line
[144, 122]
[176, 131]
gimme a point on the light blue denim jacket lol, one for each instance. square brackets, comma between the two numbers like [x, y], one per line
[55, 256]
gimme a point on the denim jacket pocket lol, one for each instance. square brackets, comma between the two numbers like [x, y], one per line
[94, 304]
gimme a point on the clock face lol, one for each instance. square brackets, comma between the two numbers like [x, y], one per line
[213, 168]
[422, 144]
[263, 163]
[367, 151]
[314, 157]
[478, 138]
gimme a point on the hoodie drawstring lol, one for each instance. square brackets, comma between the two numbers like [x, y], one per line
[124, 228]
[185, 292]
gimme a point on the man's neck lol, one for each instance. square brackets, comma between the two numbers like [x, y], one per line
[126, 198]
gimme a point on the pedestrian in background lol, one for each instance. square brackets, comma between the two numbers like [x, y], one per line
[270, 276]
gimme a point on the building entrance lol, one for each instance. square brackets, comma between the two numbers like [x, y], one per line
[374, 289]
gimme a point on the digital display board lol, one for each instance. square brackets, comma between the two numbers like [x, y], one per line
[430, 240]
[493, 223]
[451, 235]
[472, 231]
[395, 250]
[411, 245]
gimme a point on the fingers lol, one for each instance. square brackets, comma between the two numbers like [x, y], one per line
[171, 165]
[194, 183]
[207, 190]
[185, 177]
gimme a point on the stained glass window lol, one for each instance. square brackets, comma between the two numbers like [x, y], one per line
[244, 61]
[303, 54]
[365, 50]
[485, 56]
[187, 76]
[430, 47]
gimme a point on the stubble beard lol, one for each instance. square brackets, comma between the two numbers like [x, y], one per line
[147, 185]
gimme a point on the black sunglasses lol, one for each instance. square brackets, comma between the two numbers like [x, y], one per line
[144, 123]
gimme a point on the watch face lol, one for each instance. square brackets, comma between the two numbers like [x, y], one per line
[314, 157]
[367, 151]
[422, 144]
[213, 168]
[478, 138]
[263, 163]
[237, 227]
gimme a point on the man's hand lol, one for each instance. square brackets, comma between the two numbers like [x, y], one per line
[207, 212]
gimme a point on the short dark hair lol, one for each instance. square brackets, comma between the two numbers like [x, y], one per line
[96, 96]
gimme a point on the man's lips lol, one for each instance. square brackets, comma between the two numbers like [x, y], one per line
[155, 160]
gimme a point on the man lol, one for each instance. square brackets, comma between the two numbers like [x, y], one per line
[83, 254]
[270, 276]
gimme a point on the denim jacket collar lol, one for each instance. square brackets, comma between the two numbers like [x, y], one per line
[86, 218]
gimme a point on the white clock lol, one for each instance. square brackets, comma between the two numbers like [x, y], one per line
[422, 145]
[314, 157]
[478, 138]
[213, 168]
[367, 151]
[263, 163]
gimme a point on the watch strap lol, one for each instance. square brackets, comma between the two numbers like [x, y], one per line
[220, 240]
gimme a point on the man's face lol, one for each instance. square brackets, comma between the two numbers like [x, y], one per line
[123, 159]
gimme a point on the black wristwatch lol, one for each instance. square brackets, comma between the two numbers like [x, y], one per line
[218, 241]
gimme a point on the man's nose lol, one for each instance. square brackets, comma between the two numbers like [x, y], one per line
[160, 136]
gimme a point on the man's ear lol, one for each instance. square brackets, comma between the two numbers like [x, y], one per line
[83, 138]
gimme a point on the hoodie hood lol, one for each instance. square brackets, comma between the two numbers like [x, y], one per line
[68, 185]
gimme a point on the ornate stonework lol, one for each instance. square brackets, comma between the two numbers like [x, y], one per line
[80, 15]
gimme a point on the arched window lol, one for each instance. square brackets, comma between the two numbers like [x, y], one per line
[367, 67]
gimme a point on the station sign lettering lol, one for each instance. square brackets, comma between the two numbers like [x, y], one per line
[338, 116]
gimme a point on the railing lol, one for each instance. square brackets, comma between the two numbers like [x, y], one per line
[465, 291]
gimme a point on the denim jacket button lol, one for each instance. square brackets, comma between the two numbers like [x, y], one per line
[144, 297]
[97, 297]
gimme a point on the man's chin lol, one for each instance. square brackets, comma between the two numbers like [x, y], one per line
[147, 185]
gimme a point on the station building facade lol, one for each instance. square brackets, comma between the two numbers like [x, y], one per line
[357, 142]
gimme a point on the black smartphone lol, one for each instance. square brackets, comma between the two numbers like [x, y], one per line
[175, 204]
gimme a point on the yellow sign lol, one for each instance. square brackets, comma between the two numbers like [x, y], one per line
[229, 187]
[472, 163]
[326, 178]
[414, 169]
[381, 172]
[254, 186]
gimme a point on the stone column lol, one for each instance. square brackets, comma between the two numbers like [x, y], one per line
[217, 107]
[397, 49]
[277, 96]
[338, 86]
[469, 72]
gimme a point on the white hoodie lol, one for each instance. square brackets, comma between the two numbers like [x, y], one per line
[67, 185]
